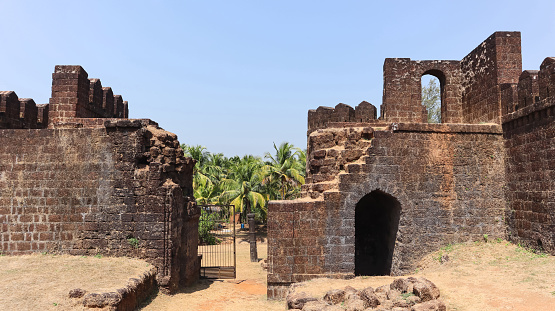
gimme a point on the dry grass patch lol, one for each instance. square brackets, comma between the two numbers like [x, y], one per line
[42, 282]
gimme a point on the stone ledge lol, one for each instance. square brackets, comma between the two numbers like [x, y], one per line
[447, 128]
[126, 298]
[489, 128]
[544, 104]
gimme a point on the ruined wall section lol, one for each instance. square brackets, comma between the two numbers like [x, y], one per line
[402, 91]
[87, 189]
[494, 62]
[448, 179]
[529, 134]
[74, 95]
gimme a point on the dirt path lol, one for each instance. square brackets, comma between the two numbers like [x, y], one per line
[247, 292]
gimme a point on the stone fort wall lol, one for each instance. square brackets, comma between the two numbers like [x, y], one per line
[382, 192]
[78, 177]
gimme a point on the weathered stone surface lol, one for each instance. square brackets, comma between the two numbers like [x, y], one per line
[316, 305]
[355, 303]
[412, 300]
[298, 300]
[94, 300]
[381, 293]
[350, 291]
[335, 296]
[77, 293]
[402, 285]
[425, 289]
[369, 297]
[349, 298]
[393, 294]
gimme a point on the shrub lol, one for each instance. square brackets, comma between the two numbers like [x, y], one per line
[205, 225]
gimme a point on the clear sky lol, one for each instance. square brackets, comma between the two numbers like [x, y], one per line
[236, 76]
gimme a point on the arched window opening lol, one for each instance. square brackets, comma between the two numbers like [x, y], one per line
[432, 83]
[376, 222]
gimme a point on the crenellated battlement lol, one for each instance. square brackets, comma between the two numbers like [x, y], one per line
[321, 117]
[485, 85]
[74, 96]
[546, 78]
[533, 87]
[19, 113]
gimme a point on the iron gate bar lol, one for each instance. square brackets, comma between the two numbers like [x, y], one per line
[216, 259]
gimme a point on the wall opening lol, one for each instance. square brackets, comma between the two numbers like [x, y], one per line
[432, 91]
[376, 222]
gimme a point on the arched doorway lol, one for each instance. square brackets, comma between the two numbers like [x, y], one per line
[376, 222]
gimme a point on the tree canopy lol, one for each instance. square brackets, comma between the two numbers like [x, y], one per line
[247, 182]
[431, 99]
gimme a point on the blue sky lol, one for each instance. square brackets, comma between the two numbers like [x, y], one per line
[236, 76]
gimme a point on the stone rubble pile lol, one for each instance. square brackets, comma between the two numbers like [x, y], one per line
[404, 294]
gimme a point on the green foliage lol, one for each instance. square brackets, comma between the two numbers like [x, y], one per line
[439, 256]
[205, 226]
[431, 99]
[134, 242]
[448, 248]
[531, 252]
[485, 238]
[285, 170]
[98, 256]
[247, 182]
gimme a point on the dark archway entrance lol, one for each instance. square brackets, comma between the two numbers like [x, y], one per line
[376, 222]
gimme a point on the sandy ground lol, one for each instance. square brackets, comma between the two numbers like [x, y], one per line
[43, 282]
[474, 276]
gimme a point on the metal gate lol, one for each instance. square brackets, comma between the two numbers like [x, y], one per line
[217, 241]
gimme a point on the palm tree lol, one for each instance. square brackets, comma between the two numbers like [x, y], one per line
[242, 186]
[205, 191]
[205, 185]
[215, 167]
[285, 169]
[197, 152]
